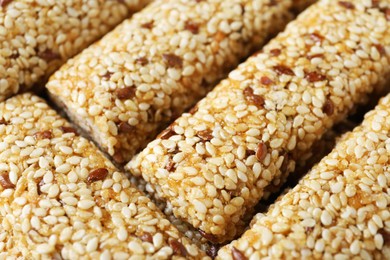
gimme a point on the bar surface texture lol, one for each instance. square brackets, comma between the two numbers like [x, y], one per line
[60, 198]
[127, 87]
[216, 162]
[339, 210]
[36, 37]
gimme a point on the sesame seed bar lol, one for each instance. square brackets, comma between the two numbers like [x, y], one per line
[61, 198]
[216, 162]
[36, 37]
[339, 210]
[124, 89]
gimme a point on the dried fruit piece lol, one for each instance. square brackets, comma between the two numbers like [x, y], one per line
[5, 182]
[125, 93]
[282, 69]
[124, 127]
[97, 175]
[328, 107]
[48, 55]
[319, 55]
[265, 80]
[387, 14]
[256, 100]
[381, 49]
[316, 37]
[167, 133]
[347, 4]
[118, 158]
[142, 61]
[4, 2]
[107, 75]
[237, 254]
[205, 135]
[177, 247]
[68, 129]
[314, 76]
[275, 52]
[43, 135]
[148, 25]
[146, 237]
[261, 151]
[170, 167]
[192, 27]
[172, 60]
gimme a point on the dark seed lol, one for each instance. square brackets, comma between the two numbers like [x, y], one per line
[316, 37]
[261, 151]
[177, 247]
[328, 107]
[68, 129]
[265, 80]
[192, 27]
[314, 76]
[237, 254]
[5, 182]
[148, 25]
[43, 135]
[212, 251]
[48, 55]
[97, 175]
[147, 237]
[3, 122]
[253, 98]
[167, 133]
[4, 2]
[125, 93]
[209, 237]
[172, 60]
[142, 61]
[380, 49]
[281, 69]
[275, 52]
[346, 4]
[205, 135]
[124, 127]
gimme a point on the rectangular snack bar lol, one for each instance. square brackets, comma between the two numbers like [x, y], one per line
[216, 162]
[36, 37]
[60, 198]
[339, 210]
[124, 89]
